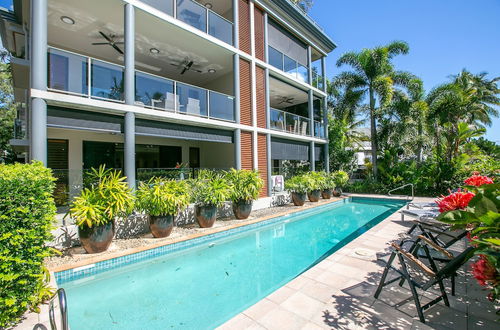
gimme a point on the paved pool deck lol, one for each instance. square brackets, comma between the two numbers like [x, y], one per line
[338, 293]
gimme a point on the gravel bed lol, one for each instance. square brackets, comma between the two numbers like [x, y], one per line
[77, 254]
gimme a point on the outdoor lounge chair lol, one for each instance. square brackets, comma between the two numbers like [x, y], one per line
[419, 214]
[439, 233]
[422, 205]
[419, 275]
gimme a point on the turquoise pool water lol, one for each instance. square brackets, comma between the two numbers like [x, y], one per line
[202, 286]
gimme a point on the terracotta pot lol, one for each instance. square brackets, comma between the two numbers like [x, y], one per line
[299, 198]
[161, 226]
[242, 209]
[337, 192]
[326, 193]
[97, 239]
[205, 215]
[314, 195]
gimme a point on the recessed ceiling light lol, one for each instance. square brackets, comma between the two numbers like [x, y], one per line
[211, 71]
[67, 20]
[154, 50]
[208, 5]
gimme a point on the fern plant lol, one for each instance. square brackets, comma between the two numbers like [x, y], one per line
[160, 197]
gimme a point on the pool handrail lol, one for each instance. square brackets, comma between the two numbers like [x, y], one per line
[63, 307]
[404, 186]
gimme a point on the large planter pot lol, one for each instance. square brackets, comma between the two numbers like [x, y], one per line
[326, 193]
[337, 192]
[314, 195]
[97, 239]
[161, 226]
[242, 209]
[205, 215]
[299, 198]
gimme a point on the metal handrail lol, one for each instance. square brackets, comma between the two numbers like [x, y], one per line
[404, 186]
[63, 308]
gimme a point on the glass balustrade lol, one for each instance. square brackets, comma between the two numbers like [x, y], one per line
[221, 106]
[317, 80]
[289, 122]
[277, 119]
[192, 13]
[319, 129]
[288, 65]
[155, 92]
[192, 100]
[220, 27]
[275, 58]
[166, 6]
[67, 72]
[106, 82]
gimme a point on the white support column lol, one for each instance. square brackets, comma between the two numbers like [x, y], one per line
[312, 155]
[236, 24]
[255, 148]
[129, 89]
[309, 64]
[237, 132]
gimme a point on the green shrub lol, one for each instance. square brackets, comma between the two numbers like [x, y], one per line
[27, 211]
[160, 197]
[245, 184]
[341, 178]
[210, 189]
[315, 180]
[297, 184]
[109, 198]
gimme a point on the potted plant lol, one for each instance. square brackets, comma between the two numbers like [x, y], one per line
[297, 186]
[162, 200]
[98, 206]
[245, 188]
[314, 181]
[327, 185]
[209, 192]
[341, 178]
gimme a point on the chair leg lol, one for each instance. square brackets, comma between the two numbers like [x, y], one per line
[413, 290]
[443, 293]
[453, 285]
[384, 275]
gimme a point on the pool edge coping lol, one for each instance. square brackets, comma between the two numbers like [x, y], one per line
[118, 254]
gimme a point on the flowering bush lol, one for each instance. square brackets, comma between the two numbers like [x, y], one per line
[478, 180]
[479, 212]
[454, 201]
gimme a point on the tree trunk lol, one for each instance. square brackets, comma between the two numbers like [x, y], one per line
[373, 132]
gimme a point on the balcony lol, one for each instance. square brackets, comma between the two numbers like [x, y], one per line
[71, 73]
[319, 129]
[288, 65]
[289, 122]
[196, 15]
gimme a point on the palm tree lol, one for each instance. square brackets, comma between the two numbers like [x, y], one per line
[373, 75]
[469, 99]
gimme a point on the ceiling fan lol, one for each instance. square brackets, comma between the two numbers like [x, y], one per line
[110, 40]
[186, 65]
[285, 99]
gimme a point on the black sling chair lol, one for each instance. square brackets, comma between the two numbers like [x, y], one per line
[435, 276]
[440, 233]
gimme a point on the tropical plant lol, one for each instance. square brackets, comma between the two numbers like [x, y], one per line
[328, 181]
[210, 190]
[8, 110]
[340, 178]
[109, 198]
[245, 185]
[374, 75]
[297, 184]
[478, 210]
[160, 197]
[315, 180]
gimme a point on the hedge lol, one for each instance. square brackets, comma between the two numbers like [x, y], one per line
[27, 212]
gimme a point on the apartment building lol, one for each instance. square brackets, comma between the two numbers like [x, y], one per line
[151, 84]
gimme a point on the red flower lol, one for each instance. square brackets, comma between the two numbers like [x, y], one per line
[456, 201]
[478, 180]
[484, 272]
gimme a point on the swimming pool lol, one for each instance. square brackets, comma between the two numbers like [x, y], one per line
[202, 283]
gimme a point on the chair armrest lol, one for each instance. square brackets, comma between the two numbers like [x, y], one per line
[435, 246]
[413, 259]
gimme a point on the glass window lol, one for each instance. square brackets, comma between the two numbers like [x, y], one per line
[275, 58]
[107, 80]
[221, 106]
[220, 28]
[154, 92]
[193, 14]
[290, 66]
[166, 6]
[192, 100]
[67, 72]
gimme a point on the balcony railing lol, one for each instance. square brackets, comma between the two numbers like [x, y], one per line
[319, 129]
[289, 122]
[288, 65]
[71, 73]
[196, 15]
[317, 80]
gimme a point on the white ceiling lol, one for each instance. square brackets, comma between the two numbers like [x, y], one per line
[278, 90]
[175, 44]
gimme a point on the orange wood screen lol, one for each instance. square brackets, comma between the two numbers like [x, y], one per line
[260, 80]
[262, 161]
[244, 26]
[246, 150]
[245, 93]
[259, 33]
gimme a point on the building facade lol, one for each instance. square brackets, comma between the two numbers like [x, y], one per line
[151, 85]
